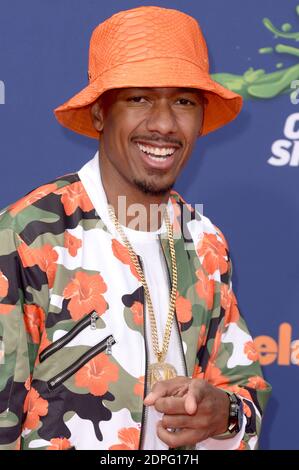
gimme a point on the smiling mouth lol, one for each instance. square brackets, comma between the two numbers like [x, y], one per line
[157, 154]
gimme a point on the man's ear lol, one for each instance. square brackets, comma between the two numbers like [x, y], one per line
[97, 115]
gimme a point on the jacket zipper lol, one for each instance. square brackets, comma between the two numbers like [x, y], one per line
[91, 319]
[144, 408]
[106, 344]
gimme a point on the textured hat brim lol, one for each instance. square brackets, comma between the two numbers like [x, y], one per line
[221, 104]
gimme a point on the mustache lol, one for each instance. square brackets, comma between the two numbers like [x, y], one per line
[158, 138]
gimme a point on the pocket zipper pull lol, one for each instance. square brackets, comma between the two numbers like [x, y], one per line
[93, 320]
[109, 344]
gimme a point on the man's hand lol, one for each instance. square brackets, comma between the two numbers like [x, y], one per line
[193, 410]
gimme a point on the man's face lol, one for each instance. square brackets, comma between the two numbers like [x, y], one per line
[148, 134]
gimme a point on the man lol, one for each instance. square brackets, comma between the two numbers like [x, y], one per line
[118, 334]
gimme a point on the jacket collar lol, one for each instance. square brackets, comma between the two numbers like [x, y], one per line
[186, 256]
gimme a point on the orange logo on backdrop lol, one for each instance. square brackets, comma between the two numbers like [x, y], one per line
[284, 351]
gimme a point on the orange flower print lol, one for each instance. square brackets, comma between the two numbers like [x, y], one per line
[18, 444]
[129, 438]
[250, 351]
[5, 309]
[27, 384]
[246, 409]
[3, 285]
[205, 288]
[122, 253]
[35, 406]
[74, 196]
[44, 343]
[183, 309]
[243, 392]
[139, 387]
[47, 262]
[214, 376]
[34, 318]
[242, 446]
[31, 198]
[257, 382]
[202, 337]
[84, 292]
[29, 256]
[225, 296]
[213, 373]
[232, 315]
[137, 310]
[72, 243]
[198, 372]
[216, 346]
[45, 258]
[213, 252]
[174, 195]
[97, 374]
[59, 443]
[220, 234]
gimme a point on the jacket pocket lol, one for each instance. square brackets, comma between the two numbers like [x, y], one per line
[105, 345]
[89, 320]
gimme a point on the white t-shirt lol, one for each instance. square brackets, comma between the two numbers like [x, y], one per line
[147, 246]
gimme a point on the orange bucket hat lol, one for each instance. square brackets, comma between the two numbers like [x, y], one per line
[149, 47]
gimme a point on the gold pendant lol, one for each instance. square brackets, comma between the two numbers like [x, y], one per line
[161, 371]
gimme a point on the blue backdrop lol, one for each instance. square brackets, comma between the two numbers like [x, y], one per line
[253, 198]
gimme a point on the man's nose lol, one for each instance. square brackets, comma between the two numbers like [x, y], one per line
[162, 118]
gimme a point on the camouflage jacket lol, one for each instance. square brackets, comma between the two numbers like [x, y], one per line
[73, 354]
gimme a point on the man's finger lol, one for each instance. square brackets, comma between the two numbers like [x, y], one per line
[170, 405]
[180, 422]
[194, 395]
[182, 437]
[166, 388]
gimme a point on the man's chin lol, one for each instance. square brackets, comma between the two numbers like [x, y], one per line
[153, 189]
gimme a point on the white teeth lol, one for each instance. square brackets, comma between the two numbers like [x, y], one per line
[166, 151]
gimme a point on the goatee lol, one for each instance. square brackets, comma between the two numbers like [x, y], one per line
[148, 188]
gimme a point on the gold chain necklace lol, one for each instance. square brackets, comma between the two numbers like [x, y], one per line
[159, 370]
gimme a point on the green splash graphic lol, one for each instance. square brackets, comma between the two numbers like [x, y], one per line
[258, 83]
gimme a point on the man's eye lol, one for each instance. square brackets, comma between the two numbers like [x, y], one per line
[137, 99]
[185, 102]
